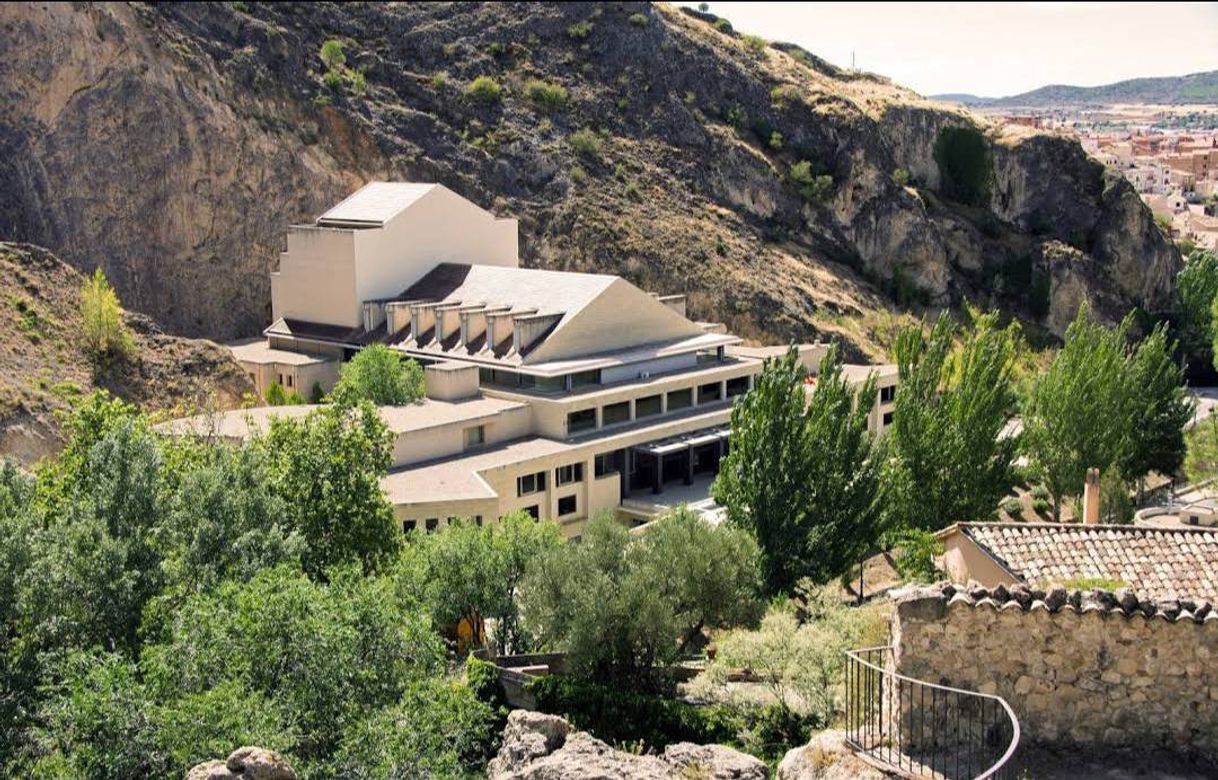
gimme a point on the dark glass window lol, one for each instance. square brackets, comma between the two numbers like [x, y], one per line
[708, 392]
[647, 407]
[408, 525]
[533, 511]
[737, 386]
[583, 420]
[888, 418]
[609, 463]
[585, 378]
[680, 399]
[566, 475]
[432, 523]
[615, 413]
[530, 483]
[566, 506]
[887, 394]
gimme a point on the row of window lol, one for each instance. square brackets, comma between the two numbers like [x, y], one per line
[567, 505]
[536, 482]
[432, 523]
[652, 405]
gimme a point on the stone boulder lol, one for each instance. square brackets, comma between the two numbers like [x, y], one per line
[245, 763]
[826, 757]
[546, 747]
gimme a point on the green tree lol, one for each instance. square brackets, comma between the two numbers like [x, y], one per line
[327, 467]
[1201, 458]
[804, 475]
[1197, 287]
[380, 375]
[332, 54]
[1159, 408]
[618, 604]
[950, 463]
[1077, 413]
[472, 573]
[105, 334]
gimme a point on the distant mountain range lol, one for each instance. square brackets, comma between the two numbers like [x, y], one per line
[1169, 90]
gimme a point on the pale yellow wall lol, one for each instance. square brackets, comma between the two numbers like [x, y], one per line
[964, 560]
[443, 441]
[316, 277]
[439, 227]
[302, 377]
[451, 381]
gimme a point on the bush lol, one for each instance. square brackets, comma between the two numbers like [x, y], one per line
[775, 142]
[543, 94]
[915, 560]
[618, 716]
[578, 176]
[723, 25]
[900, 177]
[1040, 506]
[485, 90]
[755, 42]
[1013, 507]
[580, 30]
[638, 20]
[439, 80]
[332, 54]
[333, 79]
[585, 142]
[382, 376]
[1040, 491]
[812, 188]
[105, 335]
[965, 167]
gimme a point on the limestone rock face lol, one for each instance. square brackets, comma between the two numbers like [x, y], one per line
[245, 763]
[546, 747]
[173, 143]
[826, 757]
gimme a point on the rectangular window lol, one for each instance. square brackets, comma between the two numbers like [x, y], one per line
[887, 418]
[543, 384]
[475, 436]
[531, 483]
[432, 523]
[533, 511]
[737, 386]
[566, 475]
[680, 399]
[289, 380]
[609, 463]
[887, 394]
[583, 420]
[615, 413]
[478, 520]
[708, 393]
[566, 506]
[647, 407]
[585, 378]
[408, 525]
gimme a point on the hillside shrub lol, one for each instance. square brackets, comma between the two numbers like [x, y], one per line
[1040, 506]
[1013, 507]
[965, 167]
[105, 334]
[638, 20]
[551, 97]
[586, 143]
[332, 54]
[723, 25]
[580, 30]
[900, 177]
[812, 188]
[485, 90]
[755, 42]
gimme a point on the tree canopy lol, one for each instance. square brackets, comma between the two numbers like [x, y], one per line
[380, 375]
[804, 474]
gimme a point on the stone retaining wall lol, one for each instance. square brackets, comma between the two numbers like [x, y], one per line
[1087, 668]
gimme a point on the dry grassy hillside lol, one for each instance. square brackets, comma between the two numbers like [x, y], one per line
[43, 367]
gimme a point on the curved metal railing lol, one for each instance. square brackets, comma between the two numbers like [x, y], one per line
[921, 729]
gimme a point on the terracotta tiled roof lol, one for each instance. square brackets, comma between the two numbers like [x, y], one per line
[1158, 563]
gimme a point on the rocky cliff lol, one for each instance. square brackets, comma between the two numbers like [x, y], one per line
[171, 144]
[43, 366]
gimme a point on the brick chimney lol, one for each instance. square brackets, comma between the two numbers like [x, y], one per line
[1091, 498]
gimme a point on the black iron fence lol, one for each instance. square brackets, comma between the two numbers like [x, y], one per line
[921, 729]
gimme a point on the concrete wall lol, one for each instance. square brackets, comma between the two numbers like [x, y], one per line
[327, 273]
[316, 277]
[1086, 668]
[441, 441]
[965, 561]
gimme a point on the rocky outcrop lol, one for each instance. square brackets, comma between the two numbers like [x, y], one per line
[545, 747]
[826, 757]
[172, 144]
[246, 763]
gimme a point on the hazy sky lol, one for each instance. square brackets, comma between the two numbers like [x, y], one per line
[994, 49]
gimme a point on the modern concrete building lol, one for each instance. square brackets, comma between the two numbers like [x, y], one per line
[560, 394]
